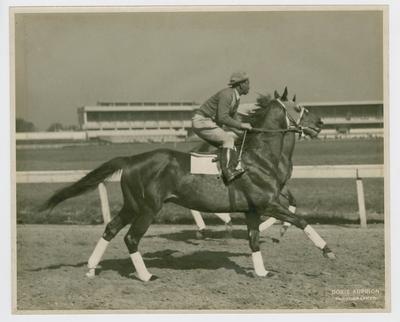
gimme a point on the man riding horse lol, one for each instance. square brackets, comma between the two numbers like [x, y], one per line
[151, 179]
[216, 121]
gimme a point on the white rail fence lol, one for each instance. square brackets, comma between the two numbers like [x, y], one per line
[357, 172]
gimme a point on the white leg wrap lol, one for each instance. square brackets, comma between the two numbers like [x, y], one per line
[98, 253]
[140, 267]
[198, 219]
[315, 238]
[259, 264]
[266, 224]
[225, 217]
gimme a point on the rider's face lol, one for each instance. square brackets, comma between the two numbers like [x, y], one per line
[245, 87]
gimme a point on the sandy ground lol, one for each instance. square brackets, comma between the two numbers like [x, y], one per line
[211, 274]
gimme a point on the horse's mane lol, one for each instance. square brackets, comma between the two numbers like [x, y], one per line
[263, 102]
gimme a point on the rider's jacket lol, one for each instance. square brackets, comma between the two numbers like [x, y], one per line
[222, 108]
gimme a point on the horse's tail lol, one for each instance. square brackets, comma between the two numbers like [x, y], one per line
[87, 183]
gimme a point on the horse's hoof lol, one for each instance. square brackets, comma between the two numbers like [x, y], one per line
[200, 234]
[267, 274]
[264, 274]
[328, 253]
[153, 278]
[91, 273]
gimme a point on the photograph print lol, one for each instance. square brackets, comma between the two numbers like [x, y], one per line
[202, 159]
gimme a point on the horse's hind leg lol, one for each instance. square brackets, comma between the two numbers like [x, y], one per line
[226, 218]
[132, 238]
[199, 222]
[111, 230]
[283, 214]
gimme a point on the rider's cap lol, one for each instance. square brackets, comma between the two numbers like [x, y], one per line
[238, 77]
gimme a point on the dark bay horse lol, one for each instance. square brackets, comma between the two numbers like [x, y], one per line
[153, 178]
[285, 169]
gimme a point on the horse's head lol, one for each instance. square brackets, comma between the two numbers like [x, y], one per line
[290, 113]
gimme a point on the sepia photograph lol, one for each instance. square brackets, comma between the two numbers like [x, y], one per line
[204, 159]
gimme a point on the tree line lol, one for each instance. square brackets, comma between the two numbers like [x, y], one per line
[22, 125]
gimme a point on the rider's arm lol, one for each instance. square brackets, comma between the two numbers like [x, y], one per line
[222, 115]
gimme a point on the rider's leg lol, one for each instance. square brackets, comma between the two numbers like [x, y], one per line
[228, 165]
[208, 130]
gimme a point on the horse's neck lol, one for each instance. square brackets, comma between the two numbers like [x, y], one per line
[289, 142]
[269, 146]
[266, 148]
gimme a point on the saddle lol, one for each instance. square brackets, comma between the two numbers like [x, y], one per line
[204, 163]
[207, 163]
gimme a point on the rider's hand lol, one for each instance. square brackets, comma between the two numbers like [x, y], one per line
[246, 126]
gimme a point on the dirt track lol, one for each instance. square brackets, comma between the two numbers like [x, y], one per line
[214, 274]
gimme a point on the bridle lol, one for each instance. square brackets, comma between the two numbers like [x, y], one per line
[295, 127]
[292, 124]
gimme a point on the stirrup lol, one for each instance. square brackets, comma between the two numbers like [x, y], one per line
[233, 174]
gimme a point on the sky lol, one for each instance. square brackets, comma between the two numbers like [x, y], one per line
[67, 60]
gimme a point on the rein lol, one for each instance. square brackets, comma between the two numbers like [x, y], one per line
[296, 128]
[261, 130]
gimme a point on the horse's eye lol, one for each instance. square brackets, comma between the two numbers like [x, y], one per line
[306, 111]
[297, 108]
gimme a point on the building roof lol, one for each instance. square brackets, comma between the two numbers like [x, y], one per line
[164, 107]
[343, 103]
[129, 108]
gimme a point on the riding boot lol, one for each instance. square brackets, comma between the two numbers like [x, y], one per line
[227, 166]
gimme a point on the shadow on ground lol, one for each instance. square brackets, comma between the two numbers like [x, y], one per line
[173, 259]
[167, 259]
[190, 237]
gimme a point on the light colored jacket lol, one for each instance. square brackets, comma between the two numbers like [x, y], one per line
[222, 108]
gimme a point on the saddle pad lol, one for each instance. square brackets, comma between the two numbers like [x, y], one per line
[203, 164]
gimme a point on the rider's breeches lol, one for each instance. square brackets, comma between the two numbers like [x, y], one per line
[209, 131]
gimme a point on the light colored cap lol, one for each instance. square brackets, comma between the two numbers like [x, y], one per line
[238, 77]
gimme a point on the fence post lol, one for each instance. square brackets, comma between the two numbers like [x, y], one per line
[105, 207]
[361, 202]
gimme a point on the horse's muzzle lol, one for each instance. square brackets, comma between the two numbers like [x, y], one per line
[311, 131]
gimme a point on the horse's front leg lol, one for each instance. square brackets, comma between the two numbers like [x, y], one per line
[253, 222]
[291, 208]
[279, 212]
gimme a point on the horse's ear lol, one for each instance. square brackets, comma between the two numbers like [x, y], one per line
[294, 98]
[284, 95]
[276, 94]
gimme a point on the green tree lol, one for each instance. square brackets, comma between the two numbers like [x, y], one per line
[55, 127]
[22, 125]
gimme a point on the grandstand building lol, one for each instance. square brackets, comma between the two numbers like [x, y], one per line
[152, 121]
